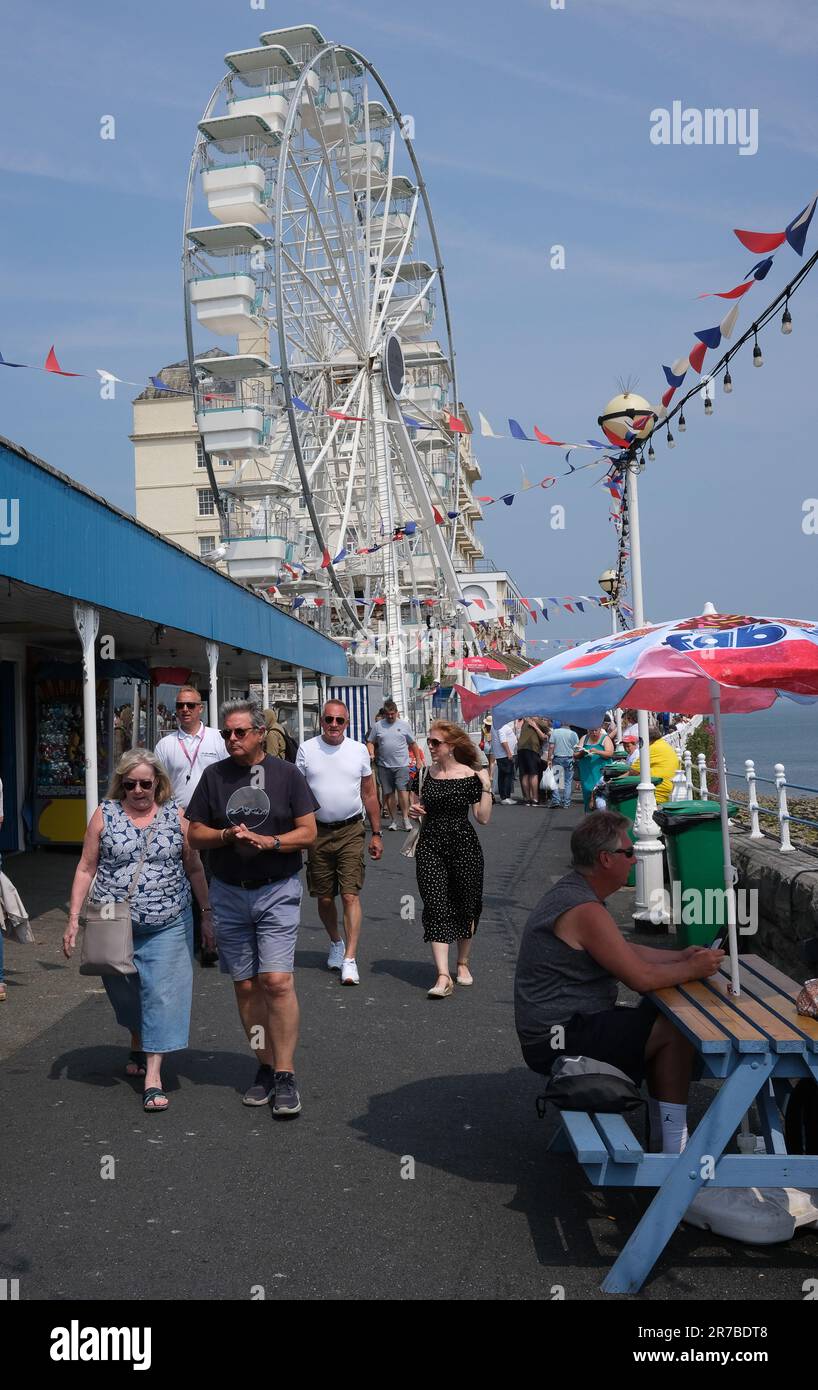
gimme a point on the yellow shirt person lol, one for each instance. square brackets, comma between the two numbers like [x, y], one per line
[664, 763]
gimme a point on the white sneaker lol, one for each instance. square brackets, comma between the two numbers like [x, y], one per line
[407, 824]
[336, 955]
[394, 825]
[508, 801]
[349, 973]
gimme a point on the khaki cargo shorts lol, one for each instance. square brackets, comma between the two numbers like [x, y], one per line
[335, 863]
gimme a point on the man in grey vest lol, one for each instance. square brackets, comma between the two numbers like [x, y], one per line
[572, 957]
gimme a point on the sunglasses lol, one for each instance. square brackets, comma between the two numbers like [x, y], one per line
[188, 704]
[436, 742]
[237, 733]
[334, 719]
[628, 853]
[131, 783]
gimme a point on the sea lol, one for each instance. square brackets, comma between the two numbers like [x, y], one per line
[785, 733]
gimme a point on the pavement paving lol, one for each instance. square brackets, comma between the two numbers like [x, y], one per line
[418, 1169]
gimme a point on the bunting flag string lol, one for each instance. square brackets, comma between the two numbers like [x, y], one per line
[759, 244]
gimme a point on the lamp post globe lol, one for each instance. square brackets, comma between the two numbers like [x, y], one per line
[626, 419]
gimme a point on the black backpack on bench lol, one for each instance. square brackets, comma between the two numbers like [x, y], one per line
[582, 1083]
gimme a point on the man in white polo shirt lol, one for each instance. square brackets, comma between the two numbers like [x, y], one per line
[339, 775]
[191, 749]
[186, 754]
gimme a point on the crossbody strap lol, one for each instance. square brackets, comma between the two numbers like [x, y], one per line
[148, 838]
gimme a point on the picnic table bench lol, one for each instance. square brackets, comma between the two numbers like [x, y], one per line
[756, 1044]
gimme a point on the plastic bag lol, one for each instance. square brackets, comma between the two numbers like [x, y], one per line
[548, 782]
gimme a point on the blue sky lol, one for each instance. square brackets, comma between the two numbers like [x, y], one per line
[532, 127]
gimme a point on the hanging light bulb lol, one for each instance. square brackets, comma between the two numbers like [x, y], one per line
[786, 319]
[682, 424]
[708, 406]
[671, 442]
[758, 355]
[728, 382]
[651, 451]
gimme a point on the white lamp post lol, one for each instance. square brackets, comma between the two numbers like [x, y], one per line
[608, 584]
[626, 420]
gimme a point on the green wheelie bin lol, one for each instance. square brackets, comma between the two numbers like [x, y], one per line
[622, 795]
[692, 831]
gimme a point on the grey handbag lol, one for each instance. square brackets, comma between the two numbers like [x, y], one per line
[107, 937]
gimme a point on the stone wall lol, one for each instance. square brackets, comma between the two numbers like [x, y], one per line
[787, 886]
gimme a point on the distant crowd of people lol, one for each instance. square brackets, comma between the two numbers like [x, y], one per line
[214, 824]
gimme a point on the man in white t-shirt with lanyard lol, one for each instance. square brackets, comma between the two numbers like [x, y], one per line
[186, 754]
[339, 775]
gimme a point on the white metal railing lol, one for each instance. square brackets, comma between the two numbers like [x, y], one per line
[781, 813]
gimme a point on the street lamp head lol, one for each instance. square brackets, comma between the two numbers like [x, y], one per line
[626, 419]
[607, 581]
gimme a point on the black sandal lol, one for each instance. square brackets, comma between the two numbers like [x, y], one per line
[154, 1093]
[138, 1060]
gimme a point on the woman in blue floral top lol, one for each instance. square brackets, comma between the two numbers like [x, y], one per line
[140, 820]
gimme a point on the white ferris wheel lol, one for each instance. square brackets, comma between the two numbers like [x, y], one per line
[310, 245]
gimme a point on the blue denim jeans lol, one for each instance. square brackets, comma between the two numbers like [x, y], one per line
[155, 1002]
[567, 767]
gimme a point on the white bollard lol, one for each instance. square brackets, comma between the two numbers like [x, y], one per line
[783, 810]
[701, 763]
[752, 801]
[679, 792]
[688, 761]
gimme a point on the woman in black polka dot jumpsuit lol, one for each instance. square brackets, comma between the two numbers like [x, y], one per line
[449, 859]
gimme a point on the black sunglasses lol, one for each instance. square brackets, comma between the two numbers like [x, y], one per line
[237, 733]
[188, 704]
[435, 742]
[334, 718]
[137, 782]
[628, 853]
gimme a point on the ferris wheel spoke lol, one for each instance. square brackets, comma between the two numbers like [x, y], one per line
[362, 250]
[321, 297]
[307, 274]
[353, 463]
[354, 281]
[336, 425]
[379, 268]
[395, 266]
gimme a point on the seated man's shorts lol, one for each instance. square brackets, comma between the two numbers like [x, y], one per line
[393, 779]
[617, 1036]
[256, 928]
[335, 863]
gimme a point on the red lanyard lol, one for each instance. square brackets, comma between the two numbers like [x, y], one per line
[191, 761]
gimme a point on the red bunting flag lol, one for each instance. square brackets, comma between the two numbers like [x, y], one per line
[339, 415]
[668, 396]
[325, 561]
[379, 600]
[52, 365]
[456, 426]
[319, 603]
[479, 602]
[437, 516]
[697, 356]
[759, 242]
[735, 293]
[546, 438]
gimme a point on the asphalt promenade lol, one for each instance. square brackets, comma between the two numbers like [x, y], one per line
[212, 1200]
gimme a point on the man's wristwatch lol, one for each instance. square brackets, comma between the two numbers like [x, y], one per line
[276, 843]
[378, 833]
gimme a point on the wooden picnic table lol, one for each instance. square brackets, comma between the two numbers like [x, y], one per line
[756, 1044]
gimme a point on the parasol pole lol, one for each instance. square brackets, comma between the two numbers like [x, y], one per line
[729, 876]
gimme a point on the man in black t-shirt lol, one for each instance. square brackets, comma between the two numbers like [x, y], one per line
[255, 814]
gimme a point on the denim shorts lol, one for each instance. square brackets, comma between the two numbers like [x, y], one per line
[256, 928]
